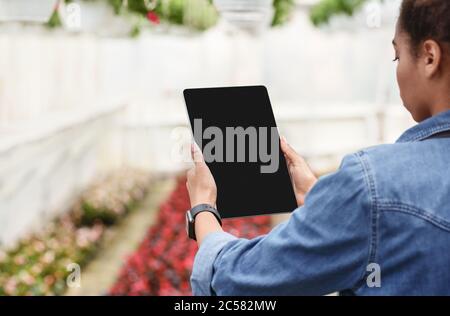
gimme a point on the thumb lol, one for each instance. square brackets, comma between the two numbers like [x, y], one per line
[289, 152]
[196, 154]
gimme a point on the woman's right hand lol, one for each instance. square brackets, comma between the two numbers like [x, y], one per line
[303, 179]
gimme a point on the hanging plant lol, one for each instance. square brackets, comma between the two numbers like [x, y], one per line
[323, 11]
[178, 12]
[195, 14]
[55, 20]
[283, 9]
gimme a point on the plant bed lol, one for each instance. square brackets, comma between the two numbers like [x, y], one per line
[38, 264]
[163, 261]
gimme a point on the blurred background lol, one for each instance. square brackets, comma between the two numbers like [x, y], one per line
[92, 118]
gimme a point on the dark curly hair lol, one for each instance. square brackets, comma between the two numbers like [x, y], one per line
[426, 19]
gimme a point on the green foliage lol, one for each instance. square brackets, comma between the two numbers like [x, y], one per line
[173, 10]
[54, 21]
[135, 30]
[200, 15]
[325, 9]
[195, 14]
[117, 5]
[283, 9]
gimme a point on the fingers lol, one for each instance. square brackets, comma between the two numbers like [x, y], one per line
[290, 154]
[196, 154]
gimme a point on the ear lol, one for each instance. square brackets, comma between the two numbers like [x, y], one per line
[432, 57]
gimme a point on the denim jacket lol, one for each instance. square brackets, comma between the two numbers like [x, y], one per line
[380, 225]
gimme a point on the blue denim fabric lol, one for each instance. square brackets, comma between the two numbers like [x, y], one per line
[388, 205]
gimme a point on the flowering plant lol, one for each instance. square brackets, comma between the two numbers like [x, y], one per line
[194, 14]
[162, 263]
[111, 198]
[37, 265]
[324, 10]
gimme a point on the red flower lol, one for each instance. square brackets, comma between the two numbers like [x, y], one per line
[153, 17]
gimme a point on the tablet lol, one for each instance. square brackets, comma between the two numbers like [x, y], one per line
[236, 130]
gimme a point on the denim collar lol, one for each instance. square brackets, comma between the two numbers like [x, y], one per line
[433, 125]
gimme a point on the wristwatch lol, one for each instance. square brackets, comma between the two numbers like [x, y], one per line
[190, 217]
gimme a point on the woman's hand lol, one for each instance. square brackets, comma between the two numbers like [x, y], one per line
[303, 179]
[202, 190]
[200, 182]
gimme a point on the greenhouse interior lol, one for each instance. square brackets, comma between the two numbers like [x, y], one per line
[93, 123]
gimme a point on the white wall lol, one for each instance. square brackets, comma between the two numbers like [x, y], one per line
[44, 168]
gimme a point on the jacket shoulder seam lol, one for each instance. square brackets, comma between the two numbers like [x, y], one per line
[373, 236]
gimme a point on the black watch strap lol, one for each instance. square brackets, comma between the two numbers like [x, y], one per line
[205, 208]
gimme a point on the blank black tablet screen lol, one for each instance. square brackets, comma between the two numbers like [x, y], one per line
[250, 183]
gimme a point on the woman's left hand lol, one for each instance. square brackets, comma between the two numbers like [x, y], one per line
[200, 182]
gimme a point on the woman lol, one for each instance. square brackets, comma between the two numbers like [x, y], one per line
[380, 225]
